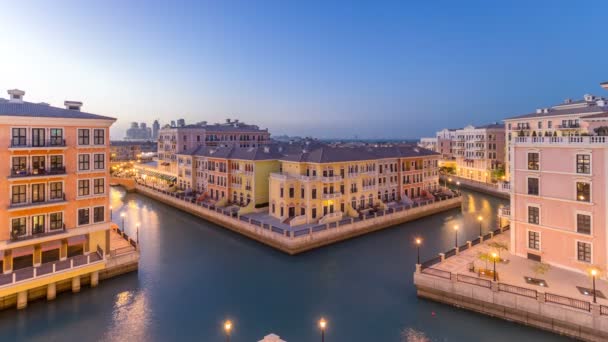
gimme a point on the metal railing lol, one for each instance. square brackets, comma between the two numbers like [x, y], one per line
[474, 281]
[522, 291]
[431, 262]
[603, 310]
[38, 172]
[29, 202]
[28, 143]
[37, 234]
[437, 273]
[567, 301]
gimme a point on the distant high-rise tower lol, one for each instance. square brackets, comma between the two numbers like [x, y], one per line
[181, 123]
[155, 129]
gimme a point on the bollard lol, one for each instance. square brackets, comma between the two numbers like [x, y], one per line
[418, 268]
[480, 238]
[442, 255]
[469, 244]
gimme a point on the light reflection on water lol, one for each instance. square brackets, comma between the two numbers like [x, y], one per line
[193, 275]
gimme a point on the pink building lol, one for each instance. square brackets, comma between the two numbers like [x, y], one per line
[559, 183]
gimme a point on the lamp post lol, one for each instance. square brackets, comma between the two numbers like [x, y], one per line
[418, 242]
[456, 236]
[494, 259]
[593, 274]
[110, 213]
[227, 329]
[122, 216]
[322, 325]
[137, 232]
[458, 186]
[480, 219]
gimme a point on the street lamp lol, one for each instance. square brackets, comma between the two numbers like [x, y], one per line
[593, 274]
[418, 242]
[458, 186]
[494, 259]
[227, 329]
[456, 236]
[322, 325]
[480, 219]
[137, 232]
[122, 216]
[110, 213]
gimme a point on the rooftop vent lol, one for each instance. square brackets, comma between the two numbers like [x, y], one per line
[589, 97]
[545, 110]
[16, 95]
[539, 110]
[568, 101]
[72, 105]
[601, 102]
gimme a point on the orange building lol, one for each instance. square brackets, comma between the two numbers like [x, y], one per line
[55, 181]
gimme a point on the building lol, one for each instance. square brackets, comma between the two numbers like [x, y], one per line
[131, 150]
[446, 138]
[559, 183]
[175, 139]
[480, 152]
[323, 184]
[429, 143]
[563, 119]
[155, 130]
[139, 132]
[55, 186]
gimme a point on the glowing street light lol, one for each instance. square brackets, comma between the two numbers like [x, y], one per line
[456, 236]
[494, 255]
[122, 216]
[480, 219]
[418, 243]
[227, 329]
[137, 232]
[322, 325]
[594, 274]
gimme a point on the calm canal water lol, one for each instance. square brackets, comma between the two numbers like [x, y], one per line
[193, 275]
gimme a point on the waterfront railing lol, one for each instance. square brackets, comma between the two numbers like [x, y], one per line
[567, 301]
[474, 281]
[518, 290]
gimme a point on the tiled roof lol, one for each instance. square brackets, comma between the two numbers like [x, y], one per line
[490, 126]
[29, 109]
[567, 111]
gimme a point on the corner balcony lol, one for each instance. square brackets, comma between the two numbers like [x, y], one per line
[332, 195]
[39, 203]
[55, 143]
[27, 173]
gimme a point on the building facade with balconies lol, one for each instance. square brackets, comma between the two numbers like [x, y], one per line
[479, 152]
[55, 184]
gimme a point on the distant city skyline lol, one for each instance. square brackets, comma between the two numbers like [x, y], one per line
[377, 70]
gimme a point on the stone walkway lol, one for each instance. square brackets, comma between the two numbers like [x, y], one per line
[560, 281]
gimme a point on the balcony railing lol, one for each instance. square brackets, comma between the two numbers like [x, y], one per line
[32, 203]
[569, 126]
[38, 172]
[331, 179]
[332, 195]
[54, 142]
[37, 233]
[564, 140]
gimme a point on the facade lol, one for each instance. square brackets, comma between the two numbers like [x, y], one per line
[130, 150]
[155, 130]
[55, 184]
[324, 184]
[479, 152]
[174, 139]
[559, 183]
[446, 138]
[428, 143]
[563, 119]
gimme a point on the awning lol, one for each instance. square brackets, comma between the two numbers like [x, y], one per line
[47, 246]
[21, 251]
[76, 240]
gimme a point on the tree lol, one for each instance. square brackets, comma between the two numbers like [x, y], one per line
[485, 257]
[499, 246]
[540, 268]
[498, 173]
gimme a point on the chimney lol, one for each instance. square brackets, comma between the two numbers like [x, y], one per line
[227, 121]
[72, 105]
[16, 95]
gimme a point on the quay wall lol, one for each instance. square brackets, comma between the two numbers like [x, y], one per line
[536, 312]
[287, 242]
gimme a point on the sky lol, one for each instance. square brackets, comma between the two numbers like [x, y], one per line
[328, 69]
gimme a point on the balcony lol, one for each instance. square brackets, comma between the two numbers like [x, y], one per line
[369, 187]
[331, 179]
[563, 140]
[504, 212]
[569, 126]
[29, 203]
[36, 233]
[45, 144]
[332, 195]
[56, 171]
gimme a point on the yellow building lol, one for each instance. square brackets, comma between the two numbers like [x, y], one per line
[56, 188]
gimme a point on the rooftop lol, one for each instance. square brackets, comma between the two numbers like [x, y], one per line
[590, 104]
[29, 109]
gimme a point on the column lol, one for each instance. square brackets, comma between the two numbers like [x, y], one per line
[87, 248]
[63, 250]
[22, 300]
[8, 262]
[76, 284]
[37, 255]
[51, 291]
[107, 248]
[94, 279]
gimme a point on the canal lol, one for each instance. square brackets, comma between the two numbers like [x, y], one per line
[193, 275]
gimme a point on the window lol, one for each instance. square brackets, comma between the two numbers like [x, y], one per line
[38, 137]
[98, 137]
[56, 162]
[291, 192]
[56, 190]
[38, 224]
[19, 194]
[583, 192]
[534, 240]
[38, 165]
[19, 165]
[314, 213]
[583, 251]
[532, 186]
[314, 194]
[18, 226]
[83, 187]
[533, 160]
[99, 161]
[583, 223]
[38, 192]
[98, 186]
[533, 215]
[98, 214]
[84, 161]
[19, 137]
[56, 137]
[56, 221]
[84, 137]
[281, 192]
[583, 163]
[83, 216]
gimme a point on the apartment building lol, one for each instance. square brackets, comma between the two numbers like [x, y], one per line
[55, 186]
[130, 150]
[479, 151]
[323, 184]
[181, 138]
[562, 119]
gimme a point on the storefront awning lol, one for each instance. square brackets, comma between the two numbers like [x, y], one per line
[76, 240]
[47, 246]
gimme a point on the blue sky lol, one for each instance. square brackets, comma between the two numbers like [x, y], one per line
[393, 69]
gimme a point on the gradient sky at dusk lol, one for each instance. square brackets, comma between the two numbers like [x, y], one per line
[391, 69]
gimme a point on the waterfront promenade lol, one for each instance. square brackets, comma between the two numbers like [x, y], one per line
[557, 300]
[495, 189]
[294, 240]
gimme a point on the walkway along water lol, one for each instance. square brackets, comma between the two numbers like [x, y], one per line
[296, 241]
